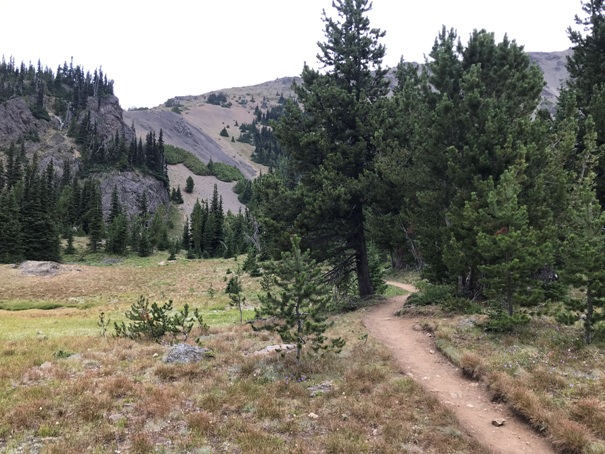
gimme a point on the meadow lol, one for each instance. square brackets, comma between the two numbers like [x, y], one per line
[66, 388]
[68, 385]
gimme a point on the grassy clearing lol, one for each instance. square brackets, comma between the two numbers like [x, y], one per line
[64, 388]
[116, 394]
[73, 299]
[542, 370]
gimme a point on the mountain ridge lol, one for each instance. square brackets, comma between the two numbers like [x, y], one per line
[202, 122]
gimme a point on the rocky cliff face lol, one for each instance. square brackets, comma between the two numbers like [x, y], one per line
[130, 187]
[50, 141]
[108, 115]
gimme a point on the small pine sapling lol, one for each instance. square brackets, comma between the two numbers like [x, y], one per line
[234, 289]
[296, 302]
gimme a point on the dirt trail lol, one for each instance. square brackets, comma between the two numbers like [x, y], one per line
[417, 356]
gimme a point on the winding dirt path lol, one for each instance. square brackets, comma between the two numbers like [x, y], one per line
[417, 356]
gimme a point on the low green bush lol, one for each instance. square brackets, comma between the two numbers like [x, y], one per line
[154, 321]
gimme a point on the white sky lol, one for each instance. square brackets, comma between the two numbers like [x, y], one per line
[157, 50]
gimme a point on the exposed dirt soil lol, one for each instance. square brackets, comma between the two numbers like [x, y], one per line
[418, 357]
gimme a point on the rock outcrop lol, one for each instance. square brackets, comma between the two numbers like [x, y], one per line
[130, 187]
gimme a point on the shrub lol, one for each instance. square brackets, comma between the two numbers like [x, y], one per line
[154, 321]
[501, 322]
[431, 294]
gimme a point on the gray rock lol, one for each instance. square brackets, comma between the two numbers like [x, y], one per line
[184, 353]
[34, 268]
[320, 389]
[275, 348]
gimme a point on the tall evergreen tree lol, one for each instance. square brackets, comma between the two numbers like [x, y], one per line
[585, 245]
[470, 118]
[96, 225]
[11, 250]
[330, 141]
[587, 79]
[40, 234]
[115, 208]
[117, 235]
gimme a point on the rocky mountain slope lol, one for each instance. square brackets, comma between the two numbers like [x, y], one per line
[49, 139]
[191, 123]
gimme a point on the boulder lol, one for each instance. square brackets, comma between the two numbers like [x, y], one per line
[184, 353]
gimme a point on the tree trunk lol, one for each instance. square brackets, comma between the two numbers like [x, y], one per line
[363, 268]
[509, 293]
[589, 315]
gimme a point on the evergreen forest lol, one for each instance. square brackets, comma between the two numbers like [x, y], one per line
[40, 204]
[455, 170]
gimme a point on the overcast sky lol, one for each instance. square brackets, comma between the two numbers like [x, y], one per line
[190, 47]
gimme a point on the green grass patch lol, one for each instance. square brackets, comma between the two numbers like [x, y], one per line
[224, 172]
[27, 305]
[391, 291]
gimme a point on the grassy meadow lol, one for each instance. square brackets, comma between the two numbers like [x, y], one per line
[65, 388]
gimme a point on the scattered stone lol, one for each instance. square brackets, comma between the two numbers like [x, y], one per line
[275, 348]
[417, 327]
[432, 352]
[313, 416]
[184, 353]
[115, 417]
[320, 389]
[498, 422]
[74, 357]
[111, 260]
[470, 405]
[455, 395]
[375, 432]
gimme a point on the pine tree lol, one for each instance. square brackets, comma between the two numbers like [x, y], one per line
[116, 207]
[144, 248]
[11, 250]
[70, 249]
[330, 142]
[178, 197]
[186, 237]
[471, 118]
[40, 234]
[297, 299]
[197, 227]
[586, 77]
[585, 245]
[189, 184]
[235, 289]
[117, 235]
[512, 252]
[96, 226]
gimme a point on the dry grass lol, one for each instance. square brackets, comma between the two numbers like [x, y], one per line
[472, 365]
[115, 394]
[542, 371]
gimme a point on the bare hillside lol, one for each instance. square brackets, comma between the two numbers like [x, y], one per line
[197, 129]
[178, 131]
[555, 73]
[202, 190]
